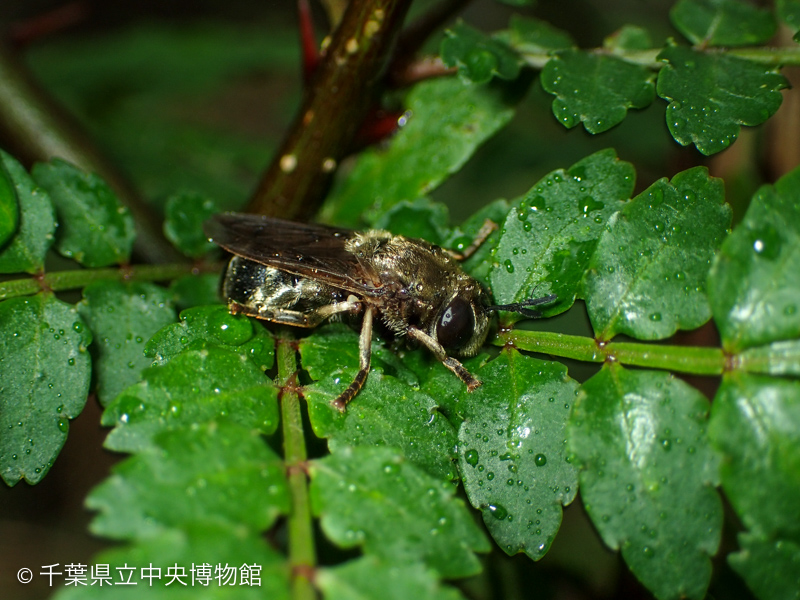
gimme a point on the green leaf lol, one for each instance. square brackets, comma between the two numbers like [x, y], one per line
[648, 275]
[770, 568]
[723, 22]
[421, 218]
[711, 95]
[386, 412]
[754, 285]
[28, 247]
[789, 12]
[450, 120]
[479, 265]
[596, 90]
[46, 374]
[183, 223]
[477, 56]
[512, 450]
[778, 358]
[648, 474]
[550, 235]
[195, 290]
[216, 472]
[197, 386]
[755, 424]
[527, 35]
[213, 326]
[372, 497]
[177, 552]
[122, 317]
[9, 204]
[94, 228]
[627, 38]
[369, 577]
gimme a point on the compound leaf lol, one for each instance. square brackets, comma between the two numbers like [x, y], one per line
[594, 89]
[46, 374]
[27, 249]
[372, 497]
[549, 236]
[217, 472]
[647, 277]
[196, 386]
[723, 22]
[711, 95]
[122, 317]
[94, 228]
[647, 476]
[512, 451]
[754, 284]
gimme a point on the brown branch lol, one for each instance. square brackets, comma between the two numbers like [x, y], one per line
[340, 95]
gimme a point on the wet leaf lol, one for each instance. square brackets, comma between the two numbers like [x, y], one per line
[373, 498]
[195, 290]
[386, 412]
[770, 568]
[421, 218]
[46, 374]
[647, 277]
[723, 22]
[647, 476]
[596, 90]
[462, 237]
[711, 95]
[94, 228]
[755, 424]
[477, 56]
[217, 472]
[512, 450]
[194, 387]
[450, 120]
[122, 317]
[533, 36]
[27, 249]
[754, 284]
[550, 234]
[183, 223]
[213, 326]
[369, 577]
[628, 37]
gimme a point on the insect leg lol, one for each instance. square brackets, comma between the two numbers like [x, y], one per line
[484, 232]
[286, 316]
[364, 353]
[448, 361]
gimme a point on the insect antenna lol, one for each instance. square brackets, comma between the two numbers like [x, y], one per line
[521, 307]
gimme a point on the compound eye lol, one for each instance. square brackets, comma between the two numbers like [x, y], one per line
[456, 325]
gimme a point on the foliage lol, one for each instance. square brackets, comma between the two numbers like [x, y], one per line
[216, 458]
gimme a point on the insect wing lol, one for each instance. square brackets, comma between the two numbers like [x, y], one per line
[313, 251]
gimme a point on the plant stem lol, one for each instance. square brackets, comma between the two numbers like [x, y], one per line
[302, 555]
[343, 89]
[60, 281]
[683, 359]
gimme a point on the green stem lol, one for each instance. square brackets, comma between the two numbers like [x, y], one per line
[302, 555]
[60, 281]
[682, 359]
